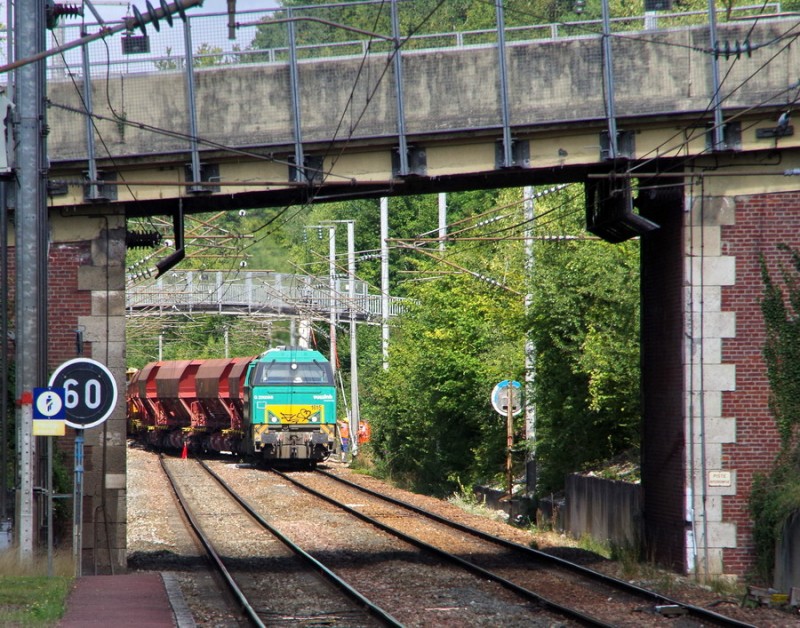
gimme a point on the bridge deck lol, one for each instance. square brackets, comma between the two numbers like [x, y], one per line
[456, 114]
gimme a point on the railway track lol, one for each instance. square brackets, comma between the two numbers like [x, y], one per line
[416, 586]
[584, 595]
[273, 581]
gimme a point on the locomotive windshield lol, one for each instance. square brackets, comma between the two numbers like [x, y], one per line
[293, 373]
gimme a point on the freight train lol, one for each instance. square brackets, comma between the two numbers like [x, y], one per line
[277, 407]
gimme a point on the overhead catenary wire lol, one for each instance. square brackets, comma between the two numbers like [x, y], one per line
[313, 195]
[384, 68]
[286, 209]
[200, 140]
[445, 257]
[664, 146]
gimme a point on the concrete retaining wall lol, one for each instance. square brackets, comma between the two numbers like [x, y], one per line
[606, 510]
[787, 555]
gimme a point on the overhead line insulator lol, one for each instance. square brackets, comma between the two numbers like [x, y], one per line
[154, 17]
[142, 239]
[55, 11]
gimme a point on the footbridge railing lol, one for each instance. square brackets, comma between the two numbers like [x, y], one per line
[256, 293]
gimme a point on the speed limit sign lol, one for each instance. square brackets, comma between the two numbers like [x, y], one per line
[90, 392]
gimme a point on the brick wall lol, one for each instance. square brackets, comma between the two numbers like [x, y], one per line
[706, 423]
[86, 290]
[66, 303]
[762, 222]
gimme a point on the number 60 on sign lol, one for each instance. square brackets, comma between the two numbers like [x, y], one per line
[90, 391]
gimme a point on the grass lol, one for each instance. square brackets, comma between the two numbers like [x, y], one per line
[469, 503]
[28, 597]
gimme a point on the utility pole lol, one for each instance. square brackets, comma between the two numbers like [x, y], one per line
[608, 83]
[6, 519]
[30, 233]
[355, 416]
[355, 411]
[530, 349]
[29, 125]
[718, 135]
[332, 273]
[385, 281]
[442, 220]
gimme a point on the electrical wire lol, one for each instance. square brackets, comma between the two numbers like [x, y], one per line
[702, 117]
[350, 100]
[327, 152]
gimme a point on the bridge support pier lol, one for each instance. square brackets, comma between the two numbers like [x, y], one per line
[707, 428]
[87, 293]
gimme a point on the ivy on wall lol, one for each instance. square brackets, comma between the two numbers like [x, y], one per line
[776, 495]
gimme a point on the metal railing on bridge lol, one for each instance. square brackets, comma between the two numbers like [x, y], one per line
[256, 293]
[255, 39]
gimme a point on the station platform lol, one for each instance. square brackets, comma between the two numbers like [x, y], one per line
[152, 600]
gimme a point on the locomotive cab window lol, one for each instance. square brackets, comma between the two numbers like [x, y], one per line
[293, 373]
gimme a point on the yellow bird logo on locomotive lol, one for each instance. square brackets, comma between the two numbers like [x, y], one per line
[295, 415]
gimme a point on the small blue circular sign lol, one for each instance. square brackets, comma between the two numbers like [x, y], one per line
[507, 392]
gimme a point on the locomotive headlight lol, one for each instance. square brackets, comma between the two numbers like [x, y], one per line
[294, 366]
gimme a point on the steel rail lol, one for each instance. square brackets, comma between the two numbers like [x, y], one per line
[372, 608]
[247, 609]
[545, 603]
[695, 611]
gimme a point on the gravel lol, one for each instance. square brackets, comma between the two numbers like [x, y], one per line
[158, 541]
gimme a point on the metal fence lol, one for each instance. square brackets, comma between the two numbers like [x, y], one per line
[260, 36]
[255, 292]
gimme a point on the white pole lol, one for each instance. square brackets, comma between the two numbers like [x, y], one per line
[30, 239]
[332, 273]
[442, 219]
[530, 349]
[26, 462]
[351, 276]
[385, 281]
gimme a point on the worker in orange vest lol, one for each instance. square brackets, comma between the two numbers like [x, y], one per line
[364, 432]
[344, 436]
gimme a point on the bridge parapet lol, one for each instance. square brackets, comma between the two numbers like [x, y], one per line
[215, 47]
[254, 119]
[255, 293]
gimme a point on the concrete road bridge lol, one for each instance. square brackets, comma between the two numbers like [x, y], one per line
[435, 113]
[687, 120]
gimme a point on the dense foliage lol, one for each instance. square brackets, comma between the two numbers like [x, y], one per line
[432, 420]
[776, 495]
[465, 330]
[433, 424]
[585, 322]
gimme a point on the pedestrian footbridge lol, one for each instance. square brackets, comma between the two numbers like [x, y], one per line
[258, 293]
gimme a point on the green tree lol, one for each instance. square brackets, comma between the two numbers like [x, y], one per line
[432, 419]
[432, 422]
[585, 325]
